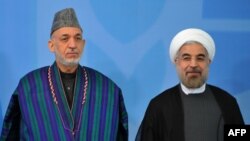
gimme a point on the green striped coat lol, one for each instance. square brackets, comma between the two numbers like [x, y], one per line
[38, 110]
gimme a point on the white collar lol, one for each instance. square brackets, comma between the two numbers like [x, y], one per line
[187, 91]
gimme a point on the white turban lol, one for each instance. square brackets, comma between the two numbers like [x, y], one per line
[192, 34]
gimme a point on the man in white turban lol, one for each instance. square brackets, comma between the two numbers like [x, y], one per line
[192, 110]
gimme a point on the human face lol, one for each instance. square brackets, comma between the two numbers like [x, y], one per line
[192, 65]
[67, 44]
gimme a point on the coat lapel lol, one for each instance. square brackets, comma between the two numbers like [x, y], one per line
[79, 96]
[62, 104]
[71, 119]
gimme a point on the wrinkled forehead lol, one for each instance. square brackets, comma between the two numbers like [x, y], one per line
[69, 31]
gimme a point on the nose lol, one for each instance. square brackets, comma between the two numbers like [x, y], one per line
[193, 62]
[72, 43]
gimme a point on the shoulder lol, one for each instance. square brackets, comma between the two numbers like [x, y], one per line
[220, 93]
[167, 97]
[32, 78]
[168, 93]
[97, 75]
[167, 104]
[36, 72]
[93, 72]
[224, 98]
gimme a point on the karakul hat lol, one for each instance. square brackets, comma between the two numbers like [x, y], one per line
[65, 18]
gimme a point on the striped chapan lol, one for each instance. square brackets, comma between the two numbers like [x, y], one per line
[36, 113]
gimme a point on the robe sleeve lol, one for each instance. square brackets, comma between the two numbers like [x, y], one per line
[237, 116]
[123, 120]
[145, 132]
[11, 123]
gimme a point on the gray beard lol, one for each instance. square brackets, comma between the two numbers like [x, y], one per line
[194, 83]
[69, 62]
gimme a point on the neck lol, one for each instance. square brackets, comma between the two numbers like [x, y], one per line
[67, 69]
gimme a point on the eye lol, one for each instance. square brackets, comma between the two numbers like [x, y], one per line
[186, 58]
[78, 38]
[64, 39]
[201, 58]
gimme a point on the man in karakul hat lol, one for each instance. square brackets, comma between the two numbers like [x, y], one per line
[66, 101]
[192, 110]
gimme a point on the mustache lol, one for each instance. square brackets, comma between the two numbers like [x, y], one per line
[194, 70]
[72, 51]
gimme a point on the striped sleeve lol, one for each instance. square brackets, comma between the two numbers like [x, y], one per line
[123, 120]
[11, 123]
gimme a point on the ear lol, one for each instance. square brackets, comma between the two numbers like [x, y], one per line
[209, 61]
[175, 60]
[51, 46]
[84, 42]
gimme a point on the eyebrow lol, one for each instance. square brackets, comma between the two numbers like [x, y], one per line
[185, 54]
[78, 34]
[199, 55]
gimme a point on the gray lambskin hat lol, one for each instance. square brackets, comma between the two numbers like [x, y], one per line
[65, 18]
